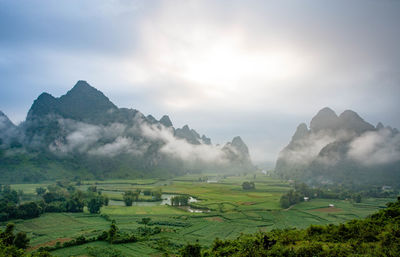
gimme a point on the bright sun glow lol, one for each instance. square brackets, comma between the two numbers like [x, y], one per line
[228, 66]
[217, 65]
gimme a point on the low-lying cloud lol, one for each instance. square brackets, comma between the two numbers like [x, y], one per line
[181, 149]
[136, 140]
[376, 147]
[83, 137]
[305, 150]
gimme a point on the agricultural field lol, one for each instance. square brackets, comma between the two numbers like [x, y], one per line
[221, 208]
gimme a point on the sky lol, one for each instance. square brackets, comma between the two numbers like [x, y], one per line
[251, 68]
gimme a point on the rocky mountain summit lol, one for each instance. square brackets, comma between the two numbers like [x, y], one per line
[83, 134]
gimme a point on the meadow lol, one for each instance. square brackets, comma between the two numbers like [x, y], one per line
[228, 211]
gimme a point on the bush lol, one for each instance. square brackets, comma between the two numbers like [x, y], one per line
[28, 210]
[248, 185]
[191, 250]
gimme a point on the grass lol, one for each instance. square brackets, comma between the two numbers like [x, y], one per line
[233, 211]
[51, 226]
[28, 188]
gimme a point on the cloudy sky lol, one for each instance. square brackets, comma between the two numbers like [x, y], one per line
[251, 68]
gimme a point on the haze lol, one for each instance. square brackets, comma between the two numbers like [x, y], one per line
[251, 68]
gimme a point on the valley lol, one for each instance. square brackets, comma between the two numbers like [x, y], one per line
[227, 211]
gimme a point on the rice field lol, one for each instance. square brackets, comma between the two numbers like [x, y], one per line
[232, 211]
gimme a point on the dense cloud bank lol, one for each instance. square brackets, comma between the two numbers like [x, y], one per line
[376, 147]
[117, 138]
[338, 146]
[83, 131]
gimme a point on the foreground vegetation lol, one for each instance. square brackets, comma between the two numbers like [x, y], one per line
[377, 235]
[227, 211]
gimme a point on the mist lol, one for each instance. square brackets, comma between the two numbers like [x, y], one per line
[328, 147]
[135, 140]
[181, 149]
[376, 147]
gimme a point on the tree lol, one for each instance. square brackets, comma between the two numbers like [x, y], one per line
[21, 241]
[146, 221]
[95, 204]
[28, 210]
[180, 200]
[129, 197]
[357, 198]
[7, 237]
[112, 232]
[191, 250]
[75, 203]
[248, 185]
[92, 189]
[105, 200]
[40, 191]
[9, 195]
[284, 201]
[157, 195]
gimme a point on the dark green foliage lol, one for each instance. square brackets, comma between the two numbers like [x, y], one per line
[92, 189]
[21, 241]
[9, 195]
[129, 197]
[180, 200]
[245, 245]
[9, 208]
[292, 197]
[95, 204]
[168, 223]
[157, 195]
[115, 236]
[29, 210]
[13, 245]
[7, 237]
[105, 200]
[40, 191]
[357, 198]
[147, 231]
[112, 232]
[377, 235]
[284, 201]
[75, 203]
[248, 185]
[53, 197]
[303, 191]
[56, 207]
[146, 221]
[104, 252]
[191, 250]
[8, 203]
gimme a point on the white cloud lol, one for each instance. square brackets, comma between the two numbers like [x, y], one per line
[181, 149]
[376, 147]
[191, 59]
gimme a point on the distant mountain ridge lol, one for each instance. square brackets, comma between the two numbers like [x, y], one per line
[342, 149]
[82, 102]
[84, 135]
